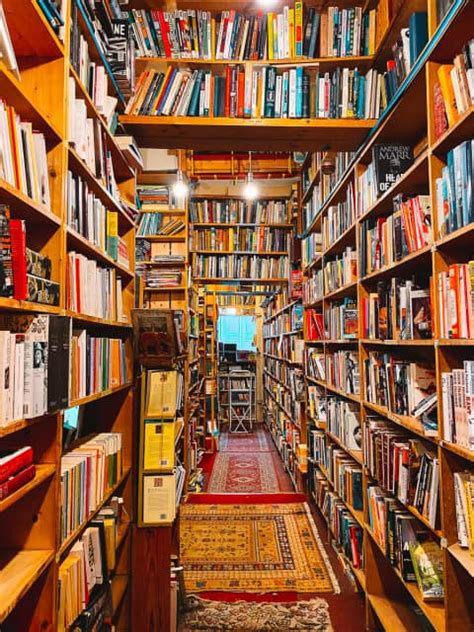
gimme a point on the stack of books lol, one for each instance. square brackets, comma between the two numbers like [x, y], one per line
[239, 211]
[16, 470]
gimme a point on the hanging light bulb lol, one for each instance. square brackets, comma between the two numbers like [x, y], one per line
[251, 189]
[180, 187]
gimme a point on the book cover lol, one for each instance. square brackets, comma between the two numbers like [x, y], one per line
[390, 161]
[6, 260]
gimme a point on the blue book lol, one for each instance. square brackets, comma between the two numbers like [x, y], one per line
[193, 109]
[361, 98]
[314, 36]
[48, 14]
[284, 99]
[216, 94]
[418, 31]
[166, 92]
[299, 91]
[470, 177]
[466, 182]
[453, 223]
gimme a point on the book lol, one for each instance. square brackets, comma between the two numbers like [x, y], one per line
[6, 260]
[159, 445]
[163, 394]
[17, 481]
[390, 162]
[13, 461]
[159, 499]
[427, 558]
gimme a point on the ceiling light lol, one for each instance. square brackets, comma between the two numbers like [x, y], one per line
[251, 189]
[180, 187]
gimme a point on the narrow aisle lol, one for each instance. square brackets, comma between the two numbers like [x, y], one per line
[249, 537]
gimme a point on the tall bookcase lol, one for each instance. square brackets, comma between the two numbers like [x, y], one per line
[390, 599]
[32, 550]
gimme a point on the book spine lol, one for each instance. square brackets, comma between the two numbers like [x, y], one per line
[16, 482]
[17, 461]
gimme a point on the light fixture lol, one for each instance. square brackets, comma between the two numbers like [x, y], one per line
[251, 189]
[180, 187]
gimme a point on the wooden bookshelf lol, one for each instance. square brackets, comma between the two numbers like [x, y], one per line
[31, 552]
[390, 600]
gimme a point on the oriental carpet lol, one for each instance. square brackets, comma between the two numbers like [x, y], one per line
[255, 548]
[239, 473]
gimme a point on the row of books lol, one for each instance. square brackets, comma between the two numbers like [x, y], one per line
[17, 468]
[454, 91]
[24, 163]
[34, 365]
[339, 218]
[290, 321]
[88, 473]
[91, 73]
[341, 320]
[113, 39]
[342, 371]
[344, 527]
[311, 248]
[155, 197]
[389, 163]
[283, 398]
[239, 211]
[256, 239]
[97, 364]
[159, 278]
[313, 286]
[89, 139]
[316, 403]
[347, 478]
[87, 215]
[241, 267]
[403, 466]
[408, 545]
[398, 310]
[457, 388]
[154, 223]
[386, 240]
[295, 32]
[340, 271]
[454, 199]
[343, 421]
[93, 289]
[257, 92]
[315, 364]
[24, 273]
[286, 348]
[55, 13]
[464, 502]
[403, 387]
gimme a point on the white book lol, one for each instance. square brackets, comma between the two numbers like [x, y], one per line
[244, 40]
[469, 399]
[19, 346]
[248, 91]
[345, 91]
[278, 92]
[172, 93]
[280, 37]
[457, 90]
[261, 114]
[224, 14]
[292, 94]
[186, 98]
[434, 490]
[462, 511]
[6, 154]
[470, 82]
[255, 81]
[5, 351]
[228, 38]
[368, 92]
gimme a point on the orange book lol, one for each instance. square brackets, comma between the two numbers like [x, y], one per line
[142, 89]
[240, 93]
[323, 35]
[444, 76]
[161, 91]
[453, 302]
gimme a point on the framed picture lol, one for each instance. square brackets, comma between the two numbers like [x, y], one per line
[155, 337]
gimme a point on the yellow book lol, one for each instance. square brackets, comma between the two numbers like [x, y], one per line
[469, 488]
[213, 38]
[270, 35]
[444, 76]
[110, 541]
[298, 29]
[162, 392]
[231, 239]
[158, 449]
[259, 95]
[291, 29]
[111, 240]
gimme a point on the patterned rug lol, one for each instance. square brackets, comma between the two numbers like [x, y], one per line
[245, 616]
[253, 548]
[258, 441]
[238, 473]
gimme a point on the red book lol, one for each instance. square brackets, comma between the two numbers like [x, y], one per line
[18, 480]
[240, 93]
[12, 461]
[164, 31]
[228, 84]
[18, 239]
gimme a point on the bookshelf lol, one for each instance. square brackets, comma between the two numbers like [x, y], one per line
[32, 554]
[341, 204]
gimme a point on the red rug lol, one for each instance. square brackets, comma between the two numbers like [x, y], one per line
[238, 473]
[258, 441]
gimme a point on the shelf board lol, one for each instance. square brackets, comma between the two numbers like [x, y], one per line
[118, 589]
[404, 421]
[241, 252]
[25, 207]
[283, 333]
[43, 472]
[462, 237]
[166, 288]
[77, 532]
[19, 570]
[393, 614]
[163, 238]
[463, 129]
[28, 15]
[84, 246]
[285, 308]
[459, 450]
[239, 225]
[463, 556]
[347, 290]
[262, 281]
[95, 320]
[220, 133]
[354, 454]
[19, 424]
[27, 306]
[95, 396]
[347, 238]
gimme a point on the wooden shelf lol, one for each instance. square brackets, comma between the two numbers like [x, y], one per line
[26, 208]
[412, 260]
[463, 557]
[19, 570]
[347, 290]
[95, 396]
[77, 532]
[78, 242]
[45, 43]
[397, 343]
[220, 133]
[242, 225]
[19, 424]
[405, 422]
[354, 454]
[27, 306]
[119, 590]
[85, 319]
[282, 253]
[43, 473]
[262, 281]
[285, 308]
[164, 239]
[463, 128]
[347, 238]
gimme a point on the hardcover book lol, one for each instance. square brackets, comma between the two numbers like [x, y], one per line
[391, 161]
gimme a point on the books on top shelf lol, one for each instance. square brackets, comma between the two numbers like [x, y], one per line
[464, 504]
[16, 469]
[24, 274]
[239, 211]
[255, 239]
[274, 92]
[295, 32]
[408, 546]
[241, 267]
[88, 472]
[34, 365]
[339, 218]
[93, 289]
[389, 163]
[155, 223]
[453, 93]
[97, 364]
[24, 162]
[397, 310]
[454, 198]
[455, 295]
[457, 388]
[386, 240]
